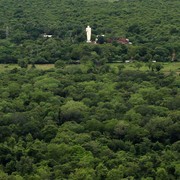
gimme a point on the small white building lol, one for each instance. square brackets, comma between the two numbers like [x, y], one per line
[127, 61]
[47, 35]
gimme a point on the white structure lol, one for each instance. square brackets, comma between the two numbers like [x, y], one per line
[128, 41]
[127, 61]
[88, 32]
[47, 35]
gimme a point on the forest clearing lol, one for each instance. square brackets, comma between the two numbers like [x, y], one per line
[167, 66]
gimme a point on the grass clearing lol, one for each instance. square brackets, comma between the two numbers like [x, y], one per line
[4, 67]
[44, 66]
[171, 67]
[167, 67]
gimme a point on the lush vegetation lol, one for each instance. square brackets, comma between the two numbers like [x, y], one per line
[89, 122]
[82, 116]
[151, 25]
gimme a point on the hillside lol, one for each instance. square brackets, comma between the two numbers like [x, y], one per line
[151, 25]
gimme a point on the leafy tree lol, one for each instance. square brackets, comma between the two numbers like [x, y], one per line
[83, 173]
[116, 173]
[59, 64]
[157, 127]
[101, 171]
[25, 165]
[121, 128]
[49, 132]
[3, 175]
[23, 63]
[74, 110]
[138, 65]
[158, 66]
[161, 174]
[94, 125]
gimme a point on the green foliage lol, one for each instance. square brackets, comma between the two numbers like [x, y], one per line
[91, 120]
[67, 123]
[158, 67]
[73, 110]
[59, 64]
[115, 174]
[152, 30]
[23, 63]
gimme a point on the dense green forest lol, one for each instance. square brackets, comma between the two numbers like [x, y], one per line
[84, 117]
[88, 122]
[153, 26]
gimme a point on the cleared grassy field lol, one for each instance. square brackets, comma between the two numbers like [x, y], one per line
[167, 67]
[44, 66]
[171, 67]
[4, 67]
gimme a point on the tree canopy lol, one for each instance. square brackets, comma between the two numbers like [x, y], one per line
[151, 26]
[113, 124]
